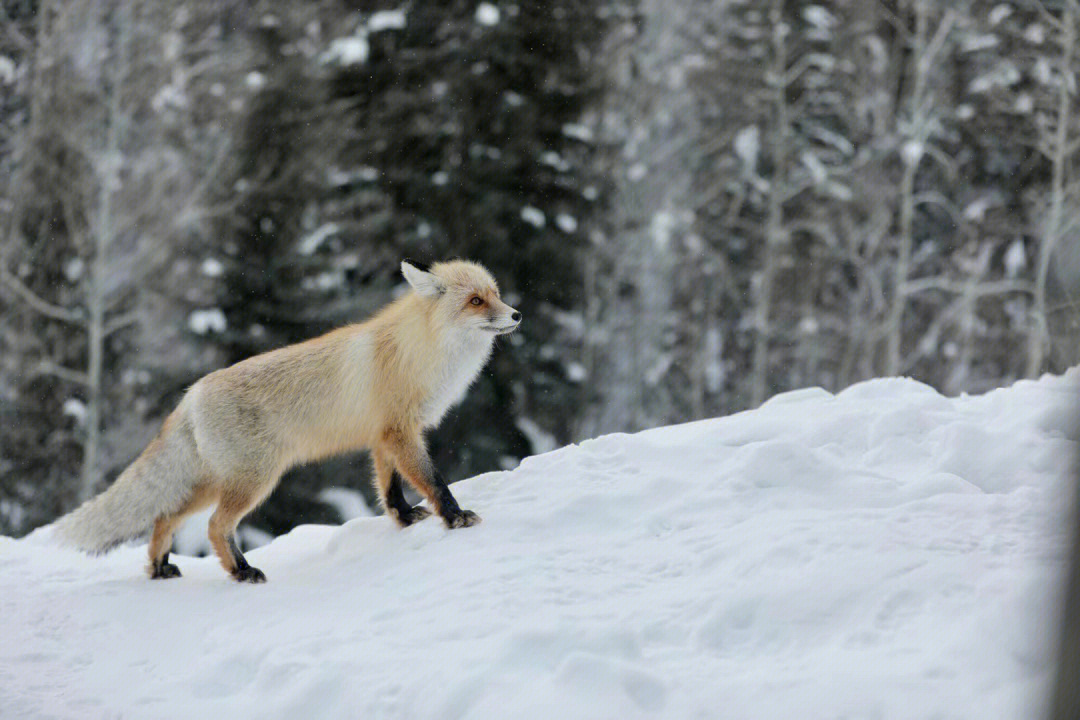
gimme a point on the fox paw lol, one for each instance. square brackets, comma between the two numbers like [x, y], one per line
[412, 515]
[164, 571]
[466, 518]
[249, 574]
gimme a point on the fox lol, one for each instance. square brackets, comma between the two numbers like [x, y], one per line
[378, 385]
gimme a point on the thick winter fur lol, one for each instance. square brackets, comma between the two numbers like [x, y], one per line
[375, 385]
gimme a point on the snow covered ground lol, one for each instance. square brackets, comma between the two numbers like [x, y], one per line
[882, 553]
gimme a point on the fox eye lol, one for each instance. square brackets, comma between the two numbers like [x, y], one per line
[476, 301]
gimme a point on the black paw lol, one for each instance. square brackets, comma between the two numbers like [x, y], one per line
[464, 518]
[249, 574]
[410, 516]
[164, 571]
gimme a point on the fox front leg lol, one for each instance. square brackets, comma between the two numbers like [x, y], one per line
[447, 507]
[416, 466]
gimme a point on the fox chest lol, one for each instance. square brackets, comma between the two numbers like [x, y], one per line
[452, 382]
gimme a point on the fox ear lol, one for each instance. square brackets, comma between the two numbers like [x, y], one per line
[421, 281]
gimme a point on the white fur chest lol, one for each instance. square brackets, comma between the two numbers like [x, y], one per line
[464, 357]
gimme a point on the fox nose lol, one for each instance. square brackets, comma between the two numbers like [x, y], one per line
[515, 316]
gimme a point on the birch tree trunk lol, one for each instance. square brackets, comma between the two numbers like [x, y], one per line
[1039, 339]
[651, 116]
[103, 230]
[775, 236]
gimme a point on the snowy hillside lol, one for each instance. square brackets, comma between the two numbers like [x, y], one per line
[882, 553]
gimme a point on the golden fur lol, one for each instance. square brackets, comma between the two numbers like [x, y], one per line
[375, 385]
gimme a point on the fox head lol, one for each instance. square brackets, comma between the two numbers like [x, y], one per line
[464, 295]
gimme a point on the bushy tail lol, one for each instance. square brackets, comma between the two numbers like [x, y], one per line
[158, 483]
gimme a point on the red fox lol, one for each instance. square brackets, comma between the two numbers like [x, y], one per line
[376, 385]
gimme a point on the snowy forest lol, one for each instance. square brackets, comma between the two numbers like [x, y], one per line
[696, 204]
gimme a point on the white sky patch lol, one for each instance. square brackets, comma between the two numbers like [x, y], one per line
[211, 320]
[533, 216]
[487, 14]
[387, 20]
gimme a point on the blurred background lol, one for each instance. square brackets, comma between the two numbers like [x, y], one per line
[695, 203]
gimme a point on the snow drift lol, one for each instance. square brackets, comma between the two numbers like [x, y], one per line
[885, 552]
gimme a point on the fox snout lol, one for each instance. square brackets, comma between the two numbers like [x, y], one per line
[506, 321]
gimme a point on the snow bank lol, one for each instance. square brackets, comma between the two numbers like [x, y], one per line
[883, 553]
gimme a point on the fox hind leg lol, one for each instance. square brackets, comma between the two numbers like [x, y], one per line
[234, 505]
[161, 539]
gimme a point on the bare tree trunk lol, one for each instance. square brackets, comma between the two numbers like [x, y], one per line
[901, 271]
[1039, 339]
[108, 174]
[651, 116]
[912, 150]
[775, 237]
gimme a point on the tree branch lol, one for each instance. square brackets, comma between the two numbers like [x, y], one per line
[46, 308]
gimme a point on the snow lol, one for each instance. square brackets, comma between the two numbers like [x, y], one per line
[386, 20]
[76, 409]
[747, 146]
[567, 223]
[7, 70]
[212, 267]
[577, 131]
[912, 151]
[883, 552]
[201, 322]
[1015, 258]
[349, 503]
[819, 17]
[1000, 13]
[351, 50]
[533, 216]
[308, 244]
[487, 14]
